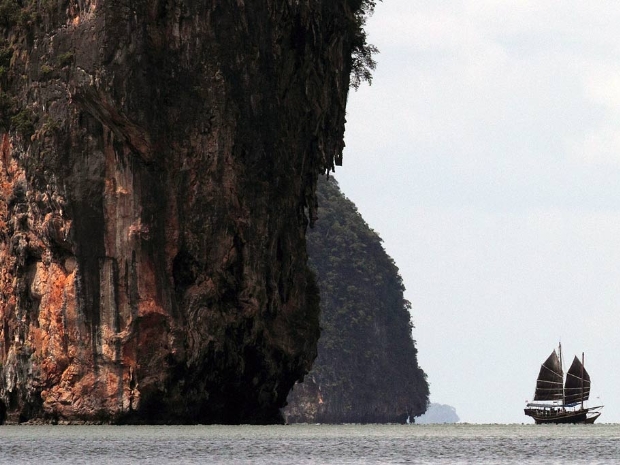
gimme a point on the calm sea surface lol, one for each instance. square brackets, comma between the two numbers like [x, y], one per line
[312, 444]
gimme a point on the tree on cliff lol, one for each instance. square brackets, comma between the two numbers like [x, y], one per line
[362, 55]
[367, 368]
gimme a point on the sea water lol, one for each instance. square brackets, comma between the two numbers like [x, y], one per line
[312, 444]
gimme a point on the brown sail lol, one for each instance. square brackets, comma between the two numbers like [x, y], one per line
[550, 379]
[575, 390]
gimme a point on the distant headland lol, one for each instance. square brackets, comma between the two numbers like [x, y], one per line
[438, 413]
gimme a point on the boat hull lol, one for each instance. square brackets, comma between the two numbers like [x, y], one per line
[560, 417]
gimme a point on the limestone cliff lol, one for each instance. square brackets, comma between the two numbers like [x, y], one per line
[367, 367]
[158, 163]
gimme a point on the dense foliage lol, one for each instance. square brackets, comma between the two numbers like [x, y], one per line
[367, 368]
[363, 63]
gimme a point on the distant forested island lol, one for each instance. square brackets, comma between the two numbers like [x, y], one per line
[438, 413]
[367, 369]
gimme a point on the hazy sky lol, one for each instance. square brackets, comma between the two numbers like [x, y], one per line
[487, 156]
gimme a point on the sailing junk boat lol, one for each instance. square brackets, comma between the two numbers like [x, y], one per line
[559, 401]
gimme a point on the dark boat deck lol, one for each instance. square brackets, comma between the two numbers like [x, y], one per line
[559, 416]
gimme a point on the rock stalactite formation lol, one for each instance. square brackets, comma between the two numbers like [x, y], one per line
[158, 164]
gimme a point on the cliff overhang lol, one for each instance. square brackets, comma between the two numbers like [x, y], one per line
[158, 171]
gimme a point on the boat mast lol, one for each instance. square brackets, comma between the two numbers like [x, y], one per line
[562, 369]
[582, 368]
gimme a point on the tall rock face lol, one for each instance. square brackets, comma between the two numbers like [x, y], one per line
[367, 368]
[158, 162]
